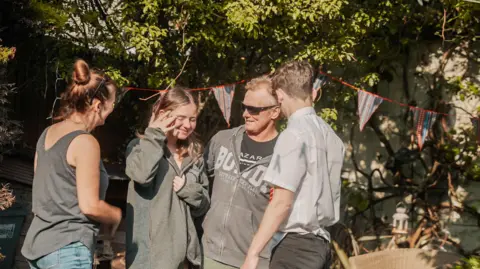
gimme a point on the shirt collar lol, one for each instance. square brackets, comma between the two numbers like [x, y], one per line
[302, 112]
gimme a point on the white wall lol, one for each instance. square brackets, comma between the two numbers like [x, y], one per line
[371, 154]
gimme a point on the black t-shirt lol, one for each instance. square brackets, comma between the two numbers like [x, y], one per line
[253, 151]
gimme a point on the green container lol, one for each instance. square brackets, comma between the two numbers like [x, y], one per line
[11, 222]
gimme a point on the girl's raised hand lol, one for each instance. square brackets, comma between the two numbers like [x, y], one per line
[164, 122]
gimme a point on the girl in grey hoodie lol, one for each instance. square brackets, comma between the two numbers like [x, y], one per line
[168, 190]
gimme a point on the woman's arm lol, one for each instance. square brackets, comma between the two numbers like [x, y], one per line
[85, 155]
[195, 194]
[144, 155]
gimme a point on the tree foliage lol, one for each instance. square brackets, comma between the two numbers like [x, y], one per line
[158, 34]
[147, 42]
[9, 128]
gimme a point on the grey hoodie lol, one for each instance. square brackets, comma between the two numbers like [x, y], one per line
[238, 200]
[160, 223]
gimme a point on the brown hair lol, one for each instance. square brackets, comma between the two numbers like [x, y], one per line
[295, 78]
[176, 97]
[86, 86]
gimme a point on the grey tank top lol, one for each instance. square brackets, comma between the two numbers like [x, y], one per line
[57, 220]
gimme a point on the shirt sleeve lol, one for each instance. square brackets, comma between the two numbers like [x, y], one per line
[289, 162]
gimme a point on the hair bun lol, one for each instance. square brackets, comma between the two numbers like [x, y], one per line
[81, 72]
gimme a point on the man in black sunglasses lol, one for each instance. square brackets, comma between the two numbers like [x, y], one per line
[236, 160]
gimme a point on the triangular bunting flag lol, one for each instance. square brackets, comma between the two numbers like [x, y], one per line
[319, 82]
[367, 104]
[476, 128]
[224, 96]
[423, 121]
[317, 85]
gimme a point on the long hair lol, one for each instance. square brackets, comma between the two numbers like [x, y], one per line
[172, 99]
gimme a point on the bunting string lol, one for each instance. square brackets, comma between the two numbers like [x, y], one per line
[192, 90]
[384, 98]
[319, 81]
[423, 118]
[368, 103]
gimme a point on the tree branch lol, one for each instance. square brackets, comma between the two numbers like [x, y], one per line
[381, 177]
[171, 83]
[81, 29]
[376, 201]
[357, 168]
[405, 85]
[381, 135]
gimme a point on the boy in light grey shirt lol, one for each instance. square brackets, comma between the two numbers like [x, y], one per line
[305, 170]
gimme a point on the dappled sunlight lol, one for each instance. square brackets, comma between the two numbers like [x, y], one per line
[389, 127]
[366, 153]
[400, 83]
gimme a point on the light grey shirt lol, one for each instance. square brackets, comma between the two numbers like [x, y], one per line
[307, 160]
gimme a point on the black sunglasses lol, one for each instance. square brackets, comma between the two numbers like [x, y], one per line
[255, 110]
[119, 94]
[97, 89]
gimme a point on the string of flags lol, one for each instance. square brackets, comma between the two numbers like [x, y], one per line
[223, 94]
[423, 119]
[368, 103]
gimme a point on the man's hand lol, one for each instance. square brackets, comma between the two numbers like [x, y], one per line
[251, 262]
[277, 211]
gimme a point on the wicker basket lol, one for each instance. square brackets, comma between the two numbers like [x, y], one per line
[404, 259]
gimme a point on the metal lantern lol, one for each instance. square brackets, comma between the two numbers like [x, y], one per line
[400, 220]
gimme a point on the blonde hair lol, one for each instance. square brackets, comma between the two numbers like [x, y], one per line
[172, 99]
[255, 84]
[265, 83]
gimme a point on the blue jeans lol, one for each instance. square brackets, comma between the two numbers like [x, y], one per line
[73, 256]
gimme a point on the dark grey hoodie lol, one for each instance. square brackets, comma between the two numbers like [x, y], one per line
[160, 223]
[238, 200]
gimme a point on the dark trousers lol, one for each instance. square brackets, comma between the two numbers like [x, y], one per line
[298, 251]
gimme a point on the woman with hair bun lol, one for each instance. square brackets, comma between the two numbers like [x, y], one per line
[168, 191]
[70, 182]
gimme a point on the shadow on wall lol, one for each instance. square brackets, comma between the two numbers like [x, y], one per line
[386, 136]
